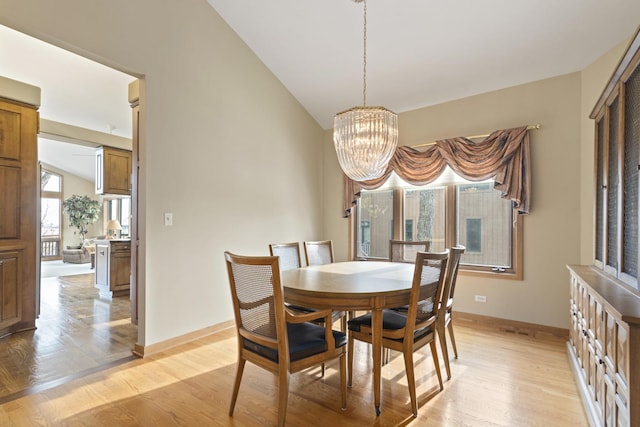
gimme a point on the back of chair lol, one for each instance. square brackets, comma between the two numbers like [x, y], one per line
[258, 300]
[455, 253]
[405, 250]
[426, 290]
[319, 252]
[289, 254]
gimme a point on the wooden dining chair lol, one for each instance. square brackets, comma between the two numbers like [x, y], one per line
[289, 254]
[270, 336]
[319, 252]
[406, 250]
[409, 332]
[446, 306]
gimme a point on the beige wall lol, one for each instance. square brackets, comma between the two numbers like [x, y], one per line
[551, 231]
[225, 147]
[559, 229]
[207, 100]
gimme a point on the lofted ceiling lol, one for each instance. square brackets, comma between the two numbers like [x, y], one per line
[422, 52]
[75, 91]
[419, 53]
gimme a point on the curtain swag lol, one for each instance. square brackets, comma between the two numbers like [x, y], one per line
[503, 156]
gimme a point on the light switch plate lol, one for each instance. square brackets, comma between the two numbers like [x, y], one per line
[168, 219]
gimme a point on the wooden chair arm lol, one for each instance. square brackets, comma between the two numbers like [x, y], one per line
[297, 317]
[294, 317]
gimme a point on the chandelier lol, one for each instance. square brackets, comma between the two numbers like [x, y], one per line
[365, 138]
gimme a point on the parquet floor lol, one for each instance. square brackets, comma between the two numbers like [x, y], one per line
[77, 333]
[500, 379]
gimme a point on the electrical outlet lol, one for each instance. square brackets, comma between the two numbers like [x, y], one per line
[481, 298]
[168, 219]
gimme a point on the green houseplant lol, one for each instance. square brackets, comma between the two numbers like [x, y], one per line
[82, 211]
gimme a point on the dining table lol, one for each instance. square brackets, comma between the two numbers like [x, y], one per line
[353, 286]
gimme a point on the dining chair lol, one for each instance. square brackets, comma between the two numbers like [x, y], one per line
[318, 252]
[446, 305]
[410, 331]
[289, 254]
[406, 250]
[272, 337]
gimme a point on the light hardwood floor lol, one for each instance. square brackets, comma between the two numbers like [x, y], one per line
[77, 333]
[500, 379]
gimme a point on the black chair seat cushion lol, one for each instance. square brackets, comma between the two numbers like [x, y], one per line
[391, 320]
[305, 339]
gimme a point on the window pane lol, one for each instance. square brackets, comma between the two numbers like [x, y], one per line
[375, 215]
[484, 225]
[425, 207]
[50, 181]
[125, 215]
[50, 217]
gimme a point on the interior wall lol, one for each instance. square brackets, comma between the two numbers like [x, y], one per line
[551, 231]
[224, 146]
[559, 229]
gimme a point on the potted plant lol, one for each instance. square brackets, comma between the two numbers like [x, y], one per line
[82, 211]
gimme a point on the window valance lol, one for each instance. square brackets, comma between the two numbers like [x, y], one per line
[503, 156]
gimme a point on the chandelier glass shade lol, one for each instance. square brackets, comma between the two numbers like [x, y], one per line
[365, 139]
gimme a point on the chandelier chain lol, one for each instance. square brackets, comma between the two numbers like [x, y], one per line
[364, 61]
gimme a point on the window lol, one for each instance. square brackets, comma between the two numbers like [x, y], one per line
[119, 209]
[408, 229]
[446, 212]
[474, 235]
[375, 213]
[50, 214]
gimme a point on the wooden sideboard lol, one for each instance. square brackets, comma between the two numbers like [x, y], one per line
[113, 267]
[604, 346]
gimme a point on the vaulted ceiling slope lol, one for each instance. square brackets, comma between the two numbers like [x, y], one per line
[422, 52]
[419, 53]
[74, 90]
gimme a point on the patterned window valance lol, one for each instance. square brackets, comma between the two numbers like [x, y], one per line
[503, 156]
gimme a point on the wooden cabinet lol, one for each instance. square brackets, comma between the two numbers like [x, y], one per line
[617, 173]
[113, 171]
[113, 267]
[19, 227]
[604, 345]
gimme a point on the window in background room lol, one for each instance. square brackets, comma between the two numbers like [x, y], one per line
[50, 214]
[447, 212]
[119, 209]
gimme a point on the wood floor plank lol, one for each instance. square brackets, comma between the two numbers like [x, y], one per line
[77, 332]
[500, 379]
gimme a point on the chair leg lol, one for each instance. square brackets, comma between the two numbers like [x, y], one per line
[343, 381]
[436, 362]
[283, 395]
[411, 379]
[350, 355]
[236, 386]
[442, 335]
[453, 339]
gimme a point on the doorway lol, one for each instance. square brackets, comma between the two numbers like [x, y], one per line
[77, 332]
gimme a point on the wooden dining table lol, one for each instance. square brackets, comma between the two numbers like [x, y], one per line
[354, 285]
